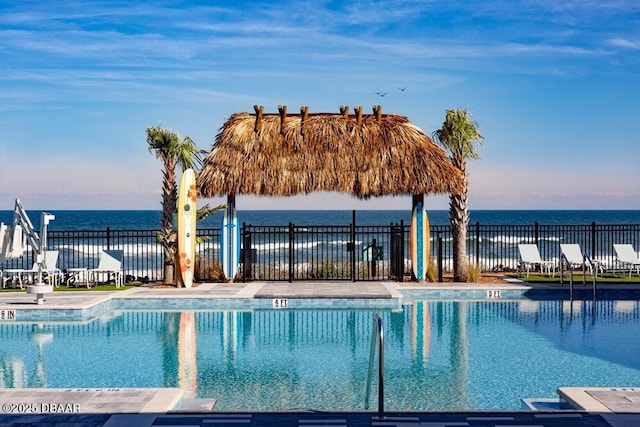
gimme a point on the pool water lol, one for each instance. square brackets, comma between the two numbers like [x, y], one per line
[439, 355]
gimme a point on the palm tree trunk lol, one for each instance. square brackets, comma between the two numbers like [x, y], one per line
[169, 272]
[460, 268]
[169, 201]
[459, 219]
[169, 258]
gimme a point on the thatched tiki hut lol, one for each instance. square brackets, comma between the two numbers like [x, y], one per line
[366, 155]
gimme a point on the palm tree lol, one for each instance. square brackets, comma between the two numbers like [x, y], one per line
[459, 135]
[172, 151]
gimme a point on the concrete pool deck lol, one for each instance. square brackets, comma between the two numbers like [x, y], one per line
[269, 290]
[614, 406]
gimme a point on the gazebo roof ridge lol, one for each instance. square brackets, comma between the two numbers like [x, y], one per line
[322, 113]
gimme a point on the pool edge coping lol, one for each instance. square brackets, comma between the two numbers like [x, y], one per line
[92, 306]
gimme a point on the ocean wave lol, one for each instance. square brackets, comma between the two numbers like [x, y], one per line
[279, 246]
[509, 240]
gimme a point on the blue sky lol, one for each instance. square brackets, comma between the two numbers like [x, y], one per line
[554, 86]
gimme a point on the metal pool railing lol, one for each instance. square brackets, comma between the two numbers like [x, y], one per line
[377, 340]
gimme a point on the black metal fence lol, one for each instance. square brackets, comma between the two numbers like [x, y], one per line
[342, 252]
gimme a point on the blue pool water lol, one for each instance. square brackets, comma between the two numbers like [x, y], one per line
[440, 355]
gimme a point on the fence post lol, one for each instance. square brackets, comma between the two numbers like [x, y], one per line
[374, 258]
[477, 243]
[392, 251]
[353, 243]
[402, 250]
[108, 238]
[439, 257]
[536, 233]
[593, 240]
[247, 253]
[291, 251]
[396, 252]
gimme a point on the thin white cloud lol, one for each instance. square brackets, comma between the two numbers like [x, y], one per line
[625, 43]
[101, 46]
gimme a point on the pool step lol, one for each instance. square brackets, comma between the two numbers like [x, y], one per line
[546, 404]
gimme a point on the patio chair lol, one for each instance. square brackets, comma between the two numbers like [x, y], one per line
[627, 256]
[530, 258]
[109, 265]
[3, 232]
[4, 242]
[571, 256]
[13, 243]
[49, 269]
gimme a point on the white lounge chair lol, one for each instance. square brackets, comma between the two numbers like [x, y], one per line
[530, 259]
[571, 256]
[627, 256]
[49, 269]
[3, 232]
[109, 265]
[4, 246]
[12, 245]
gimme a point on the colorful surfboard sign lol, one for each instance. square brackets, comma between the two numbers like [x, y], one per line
[187, 218]
[230, 243]
[419, 242]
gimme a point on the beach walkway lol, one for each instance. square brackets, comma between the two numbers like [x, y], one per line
[618, 407]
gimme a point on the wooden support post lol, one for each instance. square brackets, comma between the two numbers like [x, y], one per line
[259, 110]
[377, 111]
[344, 110]
[282, 109]
[304, 114]
[358, 111]
[231, 202]
[415, 199]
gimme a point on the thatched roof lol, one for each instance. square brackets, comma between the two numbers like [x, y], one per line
[364, 155]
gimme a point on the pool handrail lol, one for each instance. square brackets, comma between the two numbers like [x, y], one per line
[377, 337]
[585, 259]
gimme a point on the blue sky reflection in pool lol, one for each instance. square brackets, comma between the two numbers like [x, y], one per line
[449, 355]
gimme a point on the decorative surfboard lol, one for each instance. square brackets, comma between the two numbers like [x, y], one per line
[230, 243]
[187, 217]
[419, 242]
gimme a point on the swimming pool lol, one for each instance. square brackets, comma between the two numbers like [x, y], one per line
[440, 355]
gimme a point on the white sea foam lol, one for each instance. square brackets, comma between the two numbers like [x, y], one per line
[282, 245]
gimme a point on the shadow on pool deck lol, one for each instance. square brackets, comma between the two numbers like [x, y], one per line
[314, 419]
[157, 406]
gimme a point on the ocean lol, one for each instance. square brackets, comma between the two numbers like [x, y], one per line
[70, 220]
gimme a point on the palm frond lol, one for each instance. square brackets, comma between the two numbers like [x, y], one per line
[459, 134]
[206, 210]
